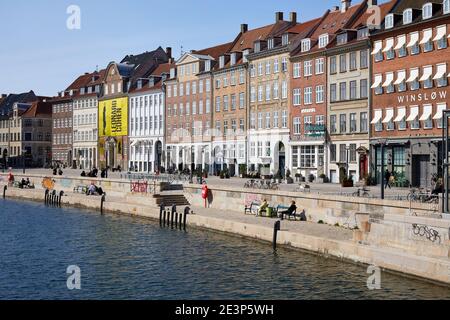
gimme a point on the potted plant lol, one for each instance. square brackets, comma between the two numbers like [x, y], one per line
[243, 171]
[289, 180]
[347, 182]
[311, 178]
[322, 178]
[222, 174]
[227, 174]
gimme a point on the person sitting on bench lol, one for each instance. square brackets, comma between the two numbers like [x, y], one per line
[290, 211]
[263, 207]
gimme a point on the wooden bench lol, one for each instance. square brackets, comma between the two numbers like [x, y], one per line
[252, 208]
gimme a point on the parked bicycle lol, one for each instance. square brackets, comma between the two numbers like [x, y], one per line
[362, 192]
[261, 184]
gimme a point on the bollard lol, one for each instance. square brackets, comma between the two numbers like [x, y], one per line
[4, 191]
[181, 221]
[61, 193]
[164, 218]
[161, 210]
[102, 202]
[186, 212]
[276, 228]
[53, 197]
[46, 196]
[176, 220]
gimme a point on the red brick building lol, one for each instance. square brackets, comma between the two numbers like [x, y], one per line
[410, 58]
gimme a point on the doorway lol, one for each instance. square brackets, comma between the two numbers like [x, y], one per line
[420, 171]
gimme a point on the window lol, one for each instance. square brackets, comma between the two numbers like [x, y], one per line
[297, 70]
[333, 92]
[225, 103]
[233, 102]
[427, 121]
[362, 33]
[407, 16]
[268, 117]
[333, 67]
[446, 5]
[389, 21]
[252, 94]
[241, 100]
[260, 93]
[353, 89]
[284, 90]
[308, 68]
[260, 120]
[308, 95]
[343, 63]
[276, 65]
[297, 97]
[353, 64]
[364, 89]
[342, 38]
[441, 75]
[441, 37]
[268, 67]
[275, 119]
[284, 119]
[252, 149]
[284, 64]
[427, 11]
[307, 156]
[333, 124]
[343, 91]
[276, 90]
[343, 123]
[208, 106]
[363, 122]
[260, 69]
[260, 149]
[427, 40]
[217, 104]
[252, 71]
[320, 65]
[307, 122]
[333, 153]
[320, 94]
[297, 126]
[306, 45]
[252, 120]
[241, 77]
[323, 40]
[268, 91]
[285, 39]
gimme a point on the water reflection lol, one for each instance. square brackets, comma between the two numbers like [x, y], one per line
[129, 258]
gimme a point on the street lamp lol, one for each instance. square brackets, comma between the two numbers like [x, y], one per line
[347, 149]
[23, 159]
[445, 162]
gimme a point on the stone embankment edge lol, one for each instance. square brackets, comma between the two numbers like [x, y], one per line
[425, 268]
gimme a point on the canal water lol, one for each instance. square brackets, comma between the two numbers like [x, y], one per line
[131, 258]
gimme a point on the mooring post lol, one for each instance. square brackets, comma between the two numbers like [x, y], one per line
[172, 215]
[164, 218]
[180, 221]
[61, 194]
[176, 220]
[161, 210]
[102, 202]
[186, 212]
[53, 197]
[4, 191]
[276, 228]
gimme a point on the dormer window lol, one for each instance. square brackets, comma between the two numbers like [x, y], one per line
[89, 91]
[389, 21]
[222, 62]
[271, 44]
[342, 38]
[208, 65]
[306, 45]
[362, 33]
[446, 5]
[151, 82]
[257, 46]
[139, 84]
[427, 11]
[82, 91]
[245, 54]
[285, 39]
[172, 73]
[323, 41]
[233, 59]
[407, 16]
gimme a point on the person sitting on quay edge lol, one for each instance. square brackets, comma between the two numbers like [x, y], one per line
[83, 173]
[263, 207]
[290, 211]
[60, 172]
[94, 172]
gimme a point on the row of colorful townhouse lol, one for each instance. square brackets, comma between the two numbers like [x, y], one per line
[317, 98]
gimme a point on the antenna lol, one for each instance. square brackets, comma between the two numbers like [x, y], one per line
[182, 52]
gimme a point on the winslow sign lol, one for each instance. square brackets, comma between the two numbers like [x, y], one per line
[423, 97]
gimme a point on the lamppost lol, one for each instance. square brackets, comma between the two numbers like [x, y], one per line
[23, 160]
[382, 146]
[347, 150]
[445, 161]
[148, 158]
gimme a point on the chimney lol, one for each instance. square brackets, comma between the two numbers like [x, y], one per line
[278, 16]
[293, 17]
[371, 3]
[4, 95]
[345, 4]
[169, 52]
[244, 28]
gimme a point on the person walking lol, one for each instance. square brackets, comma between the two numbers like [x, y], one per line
[387, 177]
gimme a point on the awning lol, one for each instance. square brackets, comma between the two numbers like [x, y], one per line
[413, 114]
[389, 79]
[440, 111]
[401, 76]
[377, 117]
[440, 33]
[377, 47]
[389, 45]
[401, 114]
[441, 71]
[427, 73]
[413, 39]
[427, 111]
[389, 116]
[401, 41]
[413, 75]
[377, 81]
[427, 35]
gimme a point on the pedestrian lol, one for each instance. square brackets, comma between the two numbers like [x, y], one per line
[387, 177]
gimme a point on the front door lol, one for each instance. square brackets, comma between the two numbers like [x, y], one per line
[420, 173]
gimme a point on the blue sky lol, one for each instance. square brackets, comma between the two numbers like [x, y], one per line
[39, 52]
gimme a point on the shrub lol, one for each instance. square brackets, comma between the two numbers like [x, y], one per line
[321, 222]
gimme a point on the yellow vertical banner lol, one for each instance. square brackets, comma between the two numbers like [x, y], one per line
[113, 117]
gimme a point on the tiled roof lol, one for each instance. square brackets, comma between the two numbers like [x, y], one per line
[38, 109]
[246, 40]
[158, 72]
[385, 8]
[7, 103]
[216, 51]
